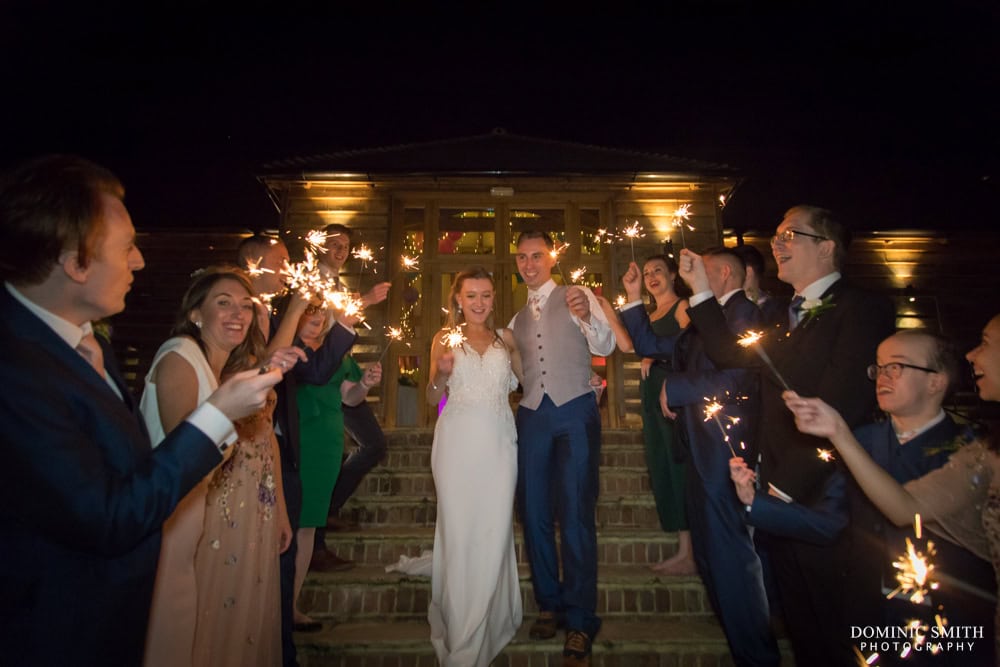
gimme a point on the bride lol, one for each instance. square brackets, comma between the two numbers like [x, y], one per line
[475, 606]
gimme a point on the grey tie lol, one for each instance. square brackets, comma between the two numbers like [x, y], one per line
[794, 311]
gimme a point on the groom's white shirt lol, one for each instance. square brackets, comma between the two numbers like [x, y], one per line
[600, 337]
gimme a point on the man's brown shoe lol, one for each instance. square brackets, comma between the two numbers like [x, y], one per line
[576, 651]
[324, 560]
[545, 626]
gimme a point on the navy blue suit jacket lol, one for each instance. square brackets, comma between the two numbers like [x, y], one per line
[826, 357]
[82, 500]
[694, 378]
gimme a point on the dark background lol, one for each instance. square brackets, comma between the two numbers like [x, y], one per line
[885, 113]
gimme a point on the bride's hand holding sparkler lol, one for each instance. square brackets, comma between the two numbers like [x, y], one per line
[692, 270]
[578, 303]
[743, 479]
[632, 282]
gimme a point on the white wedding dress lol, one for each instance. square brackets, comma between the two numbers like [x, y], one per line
[475, 607]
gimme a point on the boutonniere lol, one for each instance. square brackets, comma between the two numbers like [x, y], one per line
[812, 308]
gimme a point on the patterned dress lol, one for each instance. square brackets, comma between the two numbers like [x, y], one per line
[961, 502]
[239, 612]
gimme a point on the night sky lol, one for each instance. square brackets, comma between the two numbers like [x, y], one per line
[887, 116]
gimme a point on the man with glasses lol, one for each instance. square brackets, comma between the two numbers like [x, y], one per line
[832, 334]
[914, 373]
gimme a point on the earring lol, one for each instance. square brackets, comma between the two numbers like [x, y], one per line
[198, 324]
[459, 310]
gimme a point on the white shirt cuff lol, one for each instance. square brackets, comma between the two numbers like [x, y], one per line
[209, 420]
[700, 297]
[630, 304]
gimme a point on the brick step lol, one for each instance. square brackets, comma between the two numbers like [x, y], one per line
[666, 642]
[370, 593]
[388, 481]
[411, 449]
[384, 545]
[636, 511]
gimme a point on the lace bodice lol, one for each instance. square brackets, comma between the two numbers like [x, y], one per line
[481, 381]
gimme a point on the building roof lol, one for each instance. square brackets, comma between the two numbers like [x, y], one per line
[493, 153]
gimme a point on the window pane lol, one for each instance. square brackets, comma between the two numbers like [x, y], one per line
[467, 231]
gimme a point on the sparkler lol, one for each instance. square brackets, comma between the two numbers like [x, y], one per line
[577, 275]
[680, 221]
[254, 269]
[393, 334]
[620, 301]
[824, 454]
[453, 338]
[554, 254]
[365, 254]
[633, 232]
[915, 569]
[750, 339]
[712, 410]
[316, 240]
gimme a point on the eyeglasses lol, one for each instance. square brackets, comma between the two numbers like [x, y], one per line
[894, 370]
[789, 235]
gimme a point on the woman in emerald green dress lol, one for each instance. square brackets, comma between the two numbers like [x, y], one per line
[666, 468]
[321, 442]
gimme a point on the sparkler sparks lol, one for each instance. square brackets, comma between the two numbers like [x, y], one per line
[751, 339]
[393, 334]
[680, 221]
[410, 263]
[364, 253]
[620, 301]
[254, 268]
[453, 338]
[713, 410]
[316, 240]
[824, 454]
[577, 275]
[915, 569]
[633, 232]
[555, 253]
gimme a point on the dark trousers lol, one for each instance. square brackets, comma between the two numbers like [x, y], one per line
[730, 568]
[558, 454]
[360, 423]
[293, 501]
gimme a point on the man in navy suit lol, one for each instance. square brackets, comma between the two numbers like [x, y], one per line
[831, 337]
[559, 446]
[723, 547]
[82, 494]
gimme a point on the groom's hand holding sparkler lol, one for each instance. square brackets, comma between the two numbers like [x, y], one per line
[692, 270]
[578, 303]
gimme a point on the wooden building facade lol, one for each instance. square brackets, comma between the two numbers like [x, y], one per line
[462, 202]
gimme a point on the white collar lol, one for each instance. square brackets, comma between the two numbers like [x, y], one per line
[815, 290]
[65, 329]
[906, 436]
[728, 295]
[544, 291]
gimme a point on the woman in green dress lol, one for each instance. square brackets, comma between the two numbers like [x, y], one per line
[321, 442]
[666, 468]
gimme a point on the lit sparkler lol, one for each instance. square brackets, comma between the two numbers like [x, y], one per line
[254, 268]
[713, 410]
[554, 254]
[393, 334]
[824, 454]
[680, 221]
[751, 339]
[915, 569]
[453, 338]
[316, 240]
[577, 275]
[365, 254]
[620, 301]
[633, 232]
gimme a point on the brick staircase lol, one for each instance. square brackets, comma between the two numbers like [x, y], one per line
[378, 619]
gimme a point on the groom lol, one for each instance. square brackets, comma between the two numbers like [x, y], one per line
[559, 439]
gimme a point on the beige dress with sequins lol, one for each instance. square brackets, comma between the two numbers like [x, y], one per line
[961, 502]
[239, 615]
